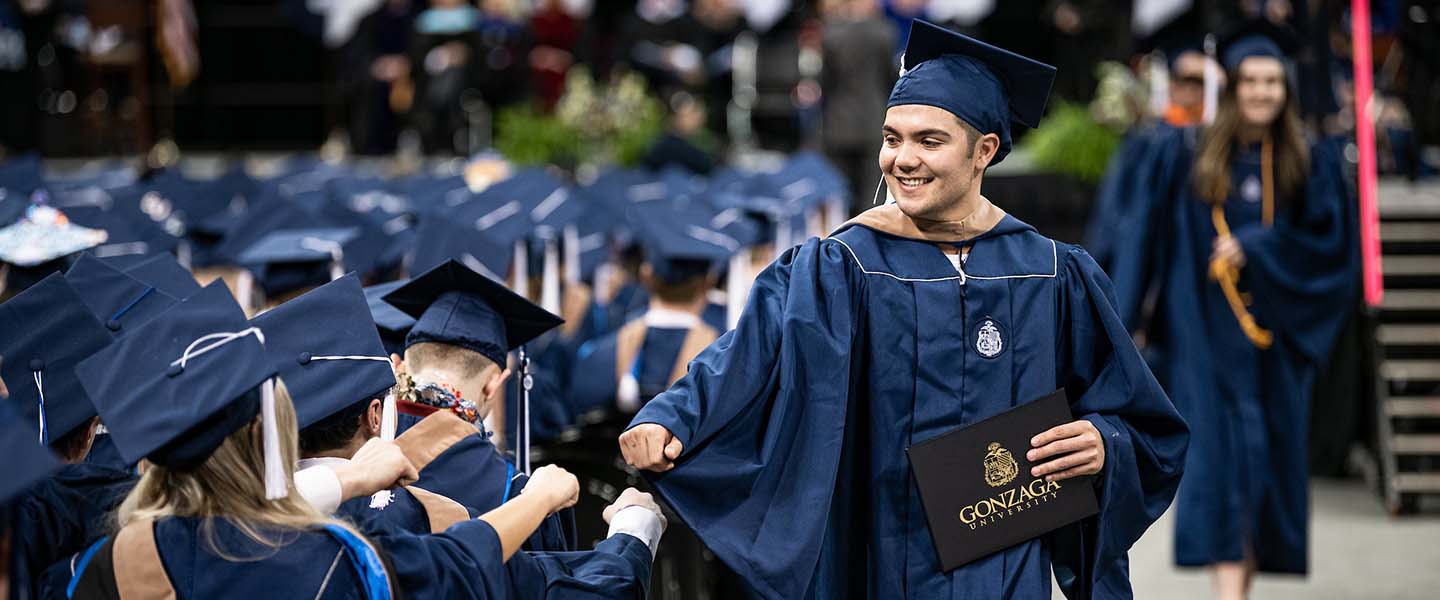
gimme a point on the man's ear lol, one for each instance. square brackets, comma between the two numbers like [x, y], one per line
[373, 416]
[495, 383]
[985, 149]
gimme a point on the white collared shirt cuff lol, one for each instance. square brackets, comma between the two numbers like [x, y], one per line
[640, 522]
[320, 486]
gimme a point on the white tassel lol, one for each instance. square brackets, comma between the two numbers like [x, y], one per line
[1159, 84]
[244, 291]
[382, 498]
[550, 278]
[276, 486]
[627, 396]
[737, 286]
[835, 213]
[521, 269]
[571, 238]
[1212, 83]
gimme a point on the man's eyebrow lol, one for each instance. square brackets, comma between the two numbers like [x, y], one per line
[921, 133]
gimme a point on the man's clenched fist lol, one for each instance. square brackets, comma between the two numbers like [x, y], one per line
[651, 447]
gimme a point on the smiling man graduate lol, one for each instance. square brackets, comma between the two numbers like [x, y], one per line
[916, 319]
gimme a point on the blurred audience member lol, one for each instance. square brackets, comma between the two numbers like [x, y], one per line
[556, 33]
[1187, 87]
[1087, 32]
[376, 79]
[856, 78]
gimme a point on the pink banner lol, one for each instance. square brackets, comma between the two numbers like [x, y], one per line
[1365, 142]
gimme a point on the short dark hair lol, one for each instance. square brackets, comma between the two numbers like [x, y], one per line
[71, 446]
[972, 135]
[335, 431]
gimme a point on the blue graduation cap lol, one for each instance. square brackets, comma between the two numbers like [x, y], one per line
[438, 239]
[453, 304]
[175, 388]
[985, 86]
[680, 244]
[326, 349]
[44, 331]
[162, 272]
[290, 259]
[392, 324]
[27, 463]
[1258, 37]
[118, 300]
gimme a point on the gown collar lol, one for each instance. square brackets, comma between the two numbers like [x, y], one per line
[985, 221]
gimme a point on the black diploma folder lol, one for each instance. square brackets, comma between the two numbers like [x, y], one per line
[977, 490]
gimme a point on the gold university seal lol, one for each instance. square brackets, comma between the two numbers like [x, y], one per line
[1000, 466]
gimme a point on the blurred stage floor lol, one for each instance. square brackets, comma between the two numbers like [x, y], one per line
[1357, 551]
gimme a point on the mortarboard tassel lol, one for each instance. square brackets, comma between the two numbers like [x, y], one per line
[571, 241]
[1159, 84]
[276, 486]
[520, 269]
[382, 498]
[1212, 82]
[40, 387]
[737, 282]
[550, 278]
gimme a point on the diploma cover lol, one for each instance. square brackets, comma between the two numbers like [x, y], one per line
[976, 487]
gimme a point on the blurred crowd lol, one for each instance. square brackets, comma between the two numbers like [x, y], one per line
[732, 74]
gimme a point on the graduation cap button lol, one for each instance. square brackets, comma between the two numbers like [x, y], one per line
[112, 325]
[174, 370]
[37, 364]
[304, 358]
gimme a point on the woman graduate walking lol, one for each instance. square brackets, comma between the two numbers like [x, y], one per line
[1252, 255]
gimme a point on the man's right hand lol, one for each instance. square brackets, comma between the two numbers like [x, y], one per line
[378, 465]
[560, 489]
[651, 447]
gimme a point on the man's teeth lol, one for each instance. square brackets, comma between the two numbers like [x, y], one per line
[913, 180]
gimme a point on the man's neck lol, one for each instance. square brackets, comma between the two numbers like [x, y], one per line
[345, 452]
[694, 307]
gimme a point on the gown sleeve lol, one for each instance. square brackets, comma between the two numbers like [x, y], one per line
[1304, 271]
[1145, 437]
[1134, 212]
[464, 563]
[762, 412]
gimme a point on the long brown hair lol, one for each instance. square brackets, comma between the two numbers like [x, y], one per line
[1217, 146]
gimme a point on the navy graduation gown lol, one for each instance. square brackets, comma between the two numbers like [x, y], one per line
[475, 474]
[190, 551]
[64, 514]
[854, 347]
[464, 562]
[1249, 409]
[404, 513]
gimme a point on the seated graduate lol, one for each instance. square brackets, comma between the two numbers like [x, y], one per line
[337, 374]
[621, 371]
[193, 393]
[455, 356]
[44, 331]
[29, 464]
[121, 302]
[333, 367]
[289, 262]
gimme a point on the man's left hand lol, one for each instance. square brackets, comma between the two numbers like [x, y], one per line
[1073, 449]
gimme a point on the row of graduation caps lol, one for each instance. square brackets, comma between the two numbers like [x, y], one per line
[307, 221]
